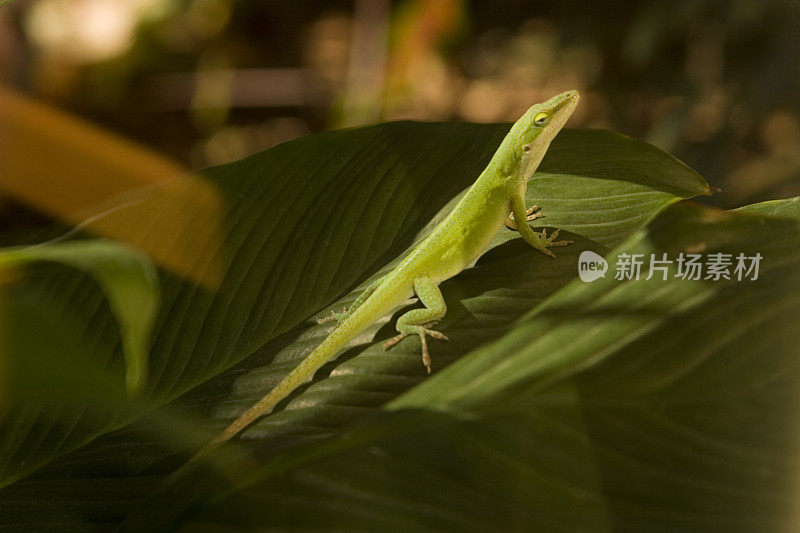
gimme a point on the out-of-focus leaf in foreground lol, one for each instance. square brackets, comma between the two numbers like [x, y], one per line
[49, 381]
[651, 404]
[128, 279]
[786, 207]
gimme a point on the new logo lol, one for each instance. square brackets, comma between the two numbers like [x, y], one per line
[591, 266]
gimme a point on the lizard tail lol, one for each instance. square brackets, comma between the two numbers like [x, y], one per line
[323, 353]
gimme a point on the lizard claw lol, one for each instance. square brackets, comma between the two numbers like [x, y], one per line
[550, 241]
[334, 316]
[533, 212]
[543, 242]
[423, 331]
[394, 340]
[426, 356]
[435, 334]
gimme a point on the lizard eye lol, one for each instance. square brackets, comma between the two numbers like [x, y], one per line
[526, 148]
[541, 119]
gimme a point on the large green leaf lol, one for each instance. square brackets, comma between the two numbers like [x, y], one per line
[305, 223]
[276, 258]
[599, 184]
[657, 405]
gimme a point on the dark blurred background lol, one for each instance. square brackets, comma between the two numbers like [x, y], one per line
[203, 82]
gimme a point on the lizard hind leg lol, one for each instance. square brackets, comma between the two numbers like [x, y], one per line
[419, 321]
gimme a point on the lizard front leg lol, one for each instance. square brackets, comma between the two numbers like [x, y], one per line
[531, 214]
[417, 321]
[540, 242]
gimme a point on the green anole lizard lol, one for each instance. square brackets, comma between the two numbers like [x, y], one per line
[497, 198]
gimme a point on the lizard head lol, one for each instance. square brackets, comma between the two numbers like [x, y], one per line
[533, 132]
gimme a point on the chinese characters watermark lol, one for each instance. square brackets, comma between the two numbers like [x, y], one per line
[687, 266]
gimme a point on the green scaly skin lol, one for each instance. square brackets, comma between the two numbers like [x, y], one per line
[497, 198]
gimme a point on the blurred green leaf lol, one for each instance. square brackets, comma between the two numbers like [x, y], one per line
[129, 281]
[787, 207]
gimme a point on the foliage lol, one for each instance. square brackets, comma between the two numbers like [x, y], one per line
[129, 281]
[558, 404]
